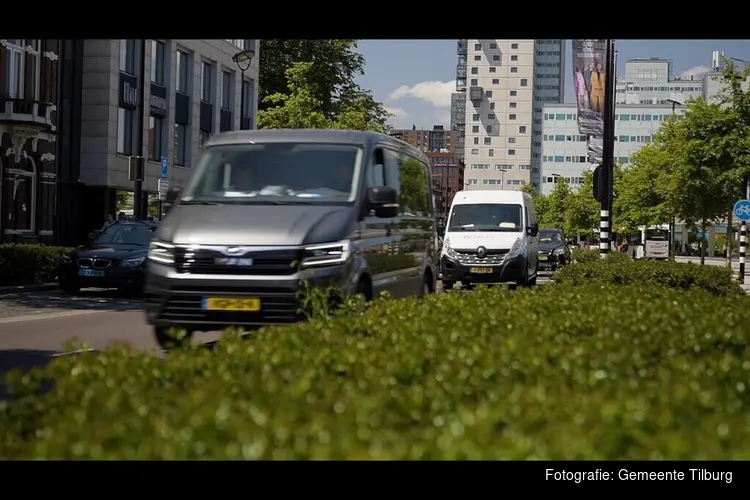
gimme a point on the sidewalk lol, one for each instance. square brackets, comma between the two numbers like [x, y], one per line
[27, 288]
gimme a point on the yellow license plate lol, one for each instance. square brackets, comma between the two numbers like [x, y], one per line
[481, 270]
[230, 304]
[542, 257]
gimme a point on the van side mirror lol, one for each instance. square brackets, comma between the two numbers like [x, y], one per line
[172, 195]
[383, 201]
[532, 230]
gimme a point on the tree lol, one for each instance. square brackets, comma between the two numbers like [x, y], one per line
[583, 210]
[331, 67]
[642, 195]
[556, 213]
[540, 201]
[299, 106]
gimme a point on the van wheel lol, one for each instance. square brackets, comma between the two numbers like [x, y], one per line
[447, 285]
[527, 281]
[426, 285]
[167, 340]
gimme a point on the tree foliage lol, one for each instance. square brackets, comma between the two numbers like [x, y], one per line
[300, 106]
[315, 77]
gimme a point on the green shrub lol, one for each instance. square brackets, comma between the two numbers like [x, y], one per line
[618, 269]
[29, 264]
[557, 372]
[579, 255]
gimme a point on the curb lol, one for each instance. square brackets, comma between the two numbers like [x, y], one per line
[26, 288]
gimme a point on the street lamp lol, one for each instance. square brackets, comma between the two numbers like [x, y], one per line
[243, 59]
[675, 100]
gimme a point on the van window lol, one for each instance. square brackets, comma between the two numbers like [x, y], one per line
[500, 217]
[375, 176]
[415, 186]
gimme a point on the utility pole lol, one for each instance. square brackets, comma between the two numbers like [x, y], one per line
[608, 152]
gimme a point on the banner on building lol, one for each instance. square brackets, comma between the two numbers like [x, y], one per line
[589, 82]
[595, 151]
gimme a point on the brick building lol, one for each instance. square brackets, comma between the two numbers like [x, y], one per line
[448, 178]
[436, 140]
[28, 139]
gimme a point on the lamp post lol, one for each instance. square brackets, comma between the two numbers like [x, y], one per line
[502, 171]
[243, 59]
[675, 100]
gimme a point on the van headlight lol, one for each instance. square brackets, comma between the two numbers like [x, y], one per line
[448, 250]
[326, 254]
[518, 249]
[161, 252]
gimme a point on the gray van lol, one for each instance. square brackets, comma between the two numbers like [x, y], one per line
[264, 211]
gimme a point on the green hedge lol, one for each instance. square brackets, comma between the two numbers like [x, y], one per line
[29, 264]
[618, 269]
[590, 371]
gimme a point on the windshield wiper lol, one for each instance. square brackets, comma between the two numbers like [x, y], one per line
[462, 228]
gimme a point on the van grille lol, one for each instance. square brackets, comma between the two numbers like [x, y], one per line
[267, 262]
[492, 258]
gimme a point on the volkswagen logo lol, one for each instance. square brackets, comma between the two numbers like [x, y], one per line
[481, 252]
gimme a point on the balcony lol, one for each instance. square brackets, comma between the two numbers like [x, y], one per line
[476, 93]
[461, 71]
[42, 115]
[463, 47]
[460, 84]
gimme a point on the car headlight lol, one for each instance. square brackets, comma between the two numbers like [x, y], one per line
[326, 254]
[161, 252]
[518, 248]
[132, 262]
[64, 259]
[448, 250]
[559, 251]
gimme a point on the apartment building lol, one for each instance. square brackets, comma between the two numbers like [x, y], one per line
[28, 139]
[509, 81]
[159, 99]
[437, 140]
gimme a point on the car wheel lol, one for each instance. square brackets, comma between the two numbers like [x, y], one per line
[447, 285]
[167, 338]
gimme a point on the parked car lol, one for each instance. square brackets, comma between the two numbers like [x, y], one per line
[553, 250]
[267, 212]
[114, 257]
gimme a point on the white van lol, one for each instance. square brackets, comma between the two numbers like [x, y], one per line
[490, 237]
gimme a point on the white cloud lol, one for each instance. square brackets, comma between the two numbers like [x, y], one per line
[397, 112]
[435, 92]
[696, 71]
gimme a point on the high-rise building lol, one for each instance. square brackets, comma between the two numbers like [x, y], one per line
[509, 81]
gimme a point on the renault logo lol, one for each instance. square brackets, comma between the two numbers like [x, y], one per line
[481, 252]
[235, 250]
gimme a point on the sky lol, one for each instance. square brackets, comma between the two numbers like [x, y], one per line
[415, 78]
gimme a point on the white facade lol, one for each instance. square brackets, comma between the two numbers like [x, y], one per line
[508, 83]
[564, 150]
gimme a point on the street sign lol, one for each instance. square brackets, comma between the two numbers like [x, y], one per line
[742, 210]
[163, 187]
[164, 170]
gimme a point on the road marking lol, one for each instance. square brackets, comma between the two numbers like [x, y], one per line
[35, 317]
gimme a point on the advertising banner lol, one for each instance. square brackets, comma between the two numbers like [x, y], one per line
[589, 82]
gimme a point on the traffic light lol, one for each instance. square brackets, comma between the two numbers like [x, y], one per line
[136, 168]
[599, 188]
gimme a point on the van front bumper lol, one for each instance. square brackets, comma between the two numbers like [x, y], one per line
[174, 299]
[510, 270]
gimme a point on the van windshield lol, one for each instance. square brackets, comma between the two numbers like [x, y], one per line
[486, 217]
[275, 172]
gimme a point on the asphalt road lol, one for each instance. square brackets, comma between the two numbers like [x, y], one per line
[35, 326]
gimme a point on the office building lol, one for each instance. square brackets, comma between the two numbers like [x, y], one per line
[650, 81]
[509, 81]
[159, 99]
[436, 140]
[28, 139]
[565, 151]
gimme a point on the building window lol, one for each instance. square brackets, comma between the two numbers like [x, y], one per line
[247, 100]
[487, 141]
[180, 145]
[206, 81]
[127, 56]
[475, 129]
[474, 71]
[522, 129]
[490, 116]
[493, 46]
[489, 129]
[524, 82]
[513, 93]
[19, 188]
[475, 151]
[511, 116]
[512, 105]
[477, 58]
[473, 82]
[476, 141]
[492, 105]
[477, 46]
[493, 69]
[226, 89]
[182, 72]
[490, 152]
[513, 45]
[514, 57]
[475, 117]
[512, 152]
[495, 81]
[158, 50]
[511, 140]
[488, 93]
[155, 137]
[125, 131]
